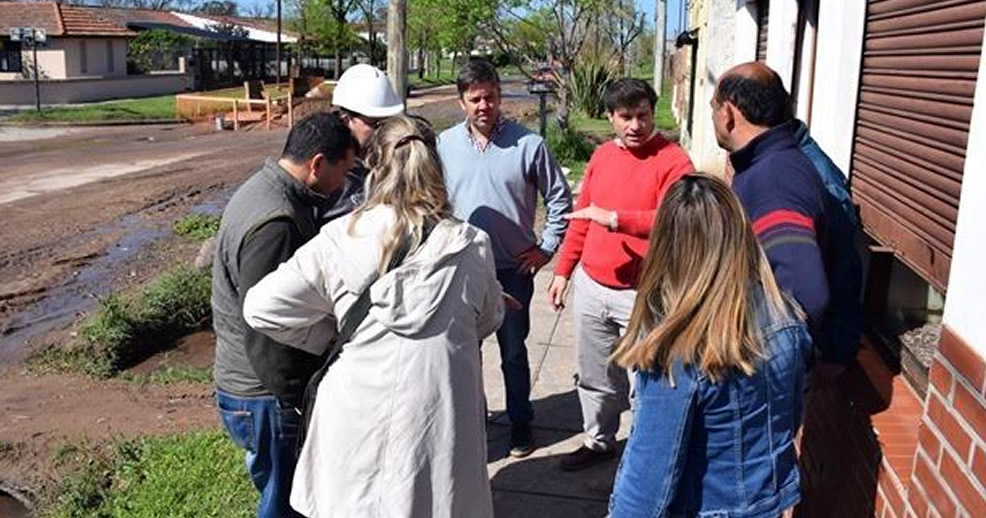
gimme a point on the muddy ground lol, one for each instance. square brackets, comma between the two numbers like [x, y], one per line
[86, 212]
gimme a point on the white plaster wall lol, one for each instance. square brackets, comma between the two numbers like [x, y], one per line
[51, 60]
[96, 57]
[745, 32]
[716, 20]
[965, 307]
[833, 106]
[781, 34]
[78, 90]
[806, 79]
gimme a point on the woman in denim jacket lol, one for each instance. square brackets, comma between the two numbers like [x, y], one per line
[720, 357]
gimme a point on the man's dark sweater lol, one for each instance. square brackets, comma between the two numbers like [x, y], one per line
[783, 197]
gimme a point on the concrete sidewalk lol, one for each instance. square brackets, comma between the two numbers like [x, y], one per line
[535, 486]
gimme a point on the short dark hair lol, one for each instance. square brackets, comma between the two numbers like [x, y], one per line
[322, 132]
[762, 100]
[477, 70]
[627, 93]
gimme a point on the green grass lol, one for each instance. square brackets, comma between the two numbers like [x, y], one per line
[197, 226]
[599, 128]
[197, 474]
[148, 108]
[664, 118]
[446, 77]
[172, 374]
[125, 330]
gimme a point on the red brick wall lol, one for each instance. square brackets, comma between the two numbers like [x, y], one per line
[950, 465]
[858, 443]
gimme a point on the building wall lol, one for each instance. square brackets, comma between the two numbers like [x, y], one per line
[95, 89]
[716, 21]
[780, 38]
[950, 467]
[51, 60]
[836, 89]
[964, 309]
[96, 55]
[745, 32]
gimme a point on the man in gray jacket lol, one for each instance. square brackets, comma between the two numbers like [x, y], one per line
[260, 382]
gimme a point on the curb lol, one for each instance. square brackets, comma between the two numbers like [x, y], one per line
[84, 124]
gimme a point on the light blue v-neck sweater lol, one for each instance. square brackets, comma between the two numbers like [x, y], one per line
[497, 189]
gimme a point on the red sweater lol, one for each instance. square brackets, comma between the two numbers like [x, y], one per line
[632, 184]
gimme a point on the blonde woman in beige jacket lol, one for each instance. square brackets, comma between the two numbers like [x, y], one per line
[398, 428]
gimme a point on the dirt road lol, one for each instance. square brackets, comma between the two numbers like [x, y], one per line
[68, 197]
[84, 212]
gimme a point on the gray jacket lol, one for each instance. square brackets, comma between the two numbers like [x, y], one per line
[274, 205]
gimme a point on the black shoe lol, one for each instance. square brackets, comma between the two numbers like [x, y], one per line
[585, 457]
[521, 441]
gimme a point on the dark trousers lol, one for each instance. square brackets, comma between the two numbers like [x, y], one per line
[513, 350]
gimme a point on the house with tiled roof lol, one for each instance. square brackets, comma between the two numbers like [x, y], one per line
[81, 43]
[85, 57]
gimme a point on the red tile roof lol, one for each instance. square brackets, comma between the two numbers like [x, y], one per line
[40, 15]
[87, 21]
[60, 20]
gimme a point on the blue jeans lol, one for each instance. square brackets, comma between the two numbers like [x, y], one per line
[267, 432]
[513, 351]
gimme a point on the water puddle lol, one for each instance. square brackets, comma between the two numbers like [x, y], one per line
[80, 292]
[11, 507]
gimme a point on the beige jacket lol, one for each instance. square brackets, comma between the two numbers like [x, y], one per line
[398, 428]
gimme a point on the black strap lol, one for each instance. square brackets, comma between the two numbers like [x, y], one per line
[357, 313]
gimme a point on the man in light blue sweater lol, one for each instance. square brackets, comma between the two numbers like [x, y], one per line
[494, 170]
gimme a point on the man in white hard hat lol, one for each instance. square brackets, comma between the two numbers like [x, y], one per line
[363, 97]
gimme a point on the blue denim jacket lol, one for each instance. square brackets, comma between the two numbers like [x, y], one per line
[723, 450]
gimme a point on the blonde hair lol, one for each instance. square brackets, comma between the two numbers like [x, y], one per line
[695, 300]
[405, 175]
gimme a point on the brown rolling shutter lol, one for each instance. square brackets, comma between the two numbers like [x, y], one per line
[763, 21]
[920, 61]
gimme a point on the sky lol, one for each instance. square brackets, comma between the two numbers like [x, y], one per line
[674, 18]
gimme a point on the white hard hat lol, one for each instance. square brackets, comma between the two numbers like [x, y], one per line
[365, 89]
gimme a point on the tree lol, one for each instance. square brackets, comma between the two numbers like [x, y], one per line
[344, 37]
[424, 19]
[565, 24]
[623, 24]
[218, 7]
[261, 10]
[370, 9]
[147, 51]
[320, 27]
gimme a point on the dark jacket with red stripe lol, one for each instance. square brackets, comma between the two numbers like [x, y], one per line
[794, 219]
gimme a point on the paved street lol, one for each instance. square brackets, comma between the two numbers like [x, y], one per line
[535, 486]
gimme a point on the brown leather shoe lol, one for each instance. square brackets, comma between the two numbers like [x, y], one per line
[585, 457]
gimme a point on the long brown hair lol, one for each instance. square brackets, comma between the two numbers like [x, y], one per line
[694, 302]
[406, 175]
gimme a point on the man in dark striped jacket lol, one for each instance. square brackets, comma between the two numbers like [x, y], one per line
[796, 219]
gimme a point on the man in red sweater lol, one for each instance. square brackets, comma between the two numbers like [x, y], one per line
[624, 183]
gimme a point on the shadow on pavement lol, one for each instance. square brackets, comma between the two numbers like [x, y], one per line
[557, 418]
[536, 486]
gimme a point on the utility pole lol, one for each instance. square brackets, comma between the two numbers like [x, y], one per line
[396, 53]
[661, 13]
[277, 57]
[32, 37]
